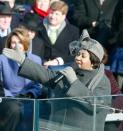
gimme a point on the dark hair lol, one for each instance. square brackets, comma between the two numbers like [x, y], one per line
[94, 60]
[105, 57]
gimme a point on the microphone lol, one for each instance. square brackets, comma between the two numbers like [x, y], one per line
[58, 78]
[55, 80]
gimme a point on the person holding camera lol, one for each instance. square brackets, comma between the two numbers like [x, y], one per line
[85, 78]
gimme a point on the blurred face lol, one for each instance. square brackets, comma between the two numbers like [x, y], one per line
[56, 17]
[83, 60]
[5, 21]
[15, 40]
[43, 4]
[31, 34]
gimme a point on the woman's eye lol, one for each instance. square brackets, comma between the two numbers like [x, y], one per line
[83, 56]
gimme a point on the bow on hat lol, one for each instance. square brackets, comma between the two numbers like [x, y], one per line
[87, 43]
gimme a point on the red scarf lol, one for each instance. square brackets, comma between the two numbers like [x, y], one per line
[40, 12]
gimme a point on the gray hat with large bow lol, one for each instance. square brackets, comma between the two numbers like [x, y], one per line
[87, 43]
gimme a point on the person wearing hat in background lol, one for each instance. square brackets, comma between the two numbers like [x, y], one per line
[16, 16]
[5, 18]
[8, 18]
[85, 78]
[8, 21]
[31, 24]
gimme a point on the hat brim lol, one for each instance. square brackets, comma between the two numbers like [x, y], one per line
[30, 27]
[7, 13]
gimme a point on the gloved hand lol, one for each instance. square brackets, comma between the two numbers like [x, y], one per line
[16, 55]
[70, 74]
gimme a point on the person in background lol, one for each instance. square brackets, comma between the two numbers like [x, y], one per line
[42, 7]
[117, 101]
[8, 68]
[96, 16]
[14, 85]
[31, 24]
[5, 19]
[116, 58]
[8, 21]
[88, 79]
[57, 33]
[16, 17]
[39, 7]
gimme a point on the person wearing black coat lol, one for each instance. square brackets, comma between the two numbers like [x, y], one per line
[10, 20]
[65, 33]
[60, 48]
[96, 16]
[31, 24]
